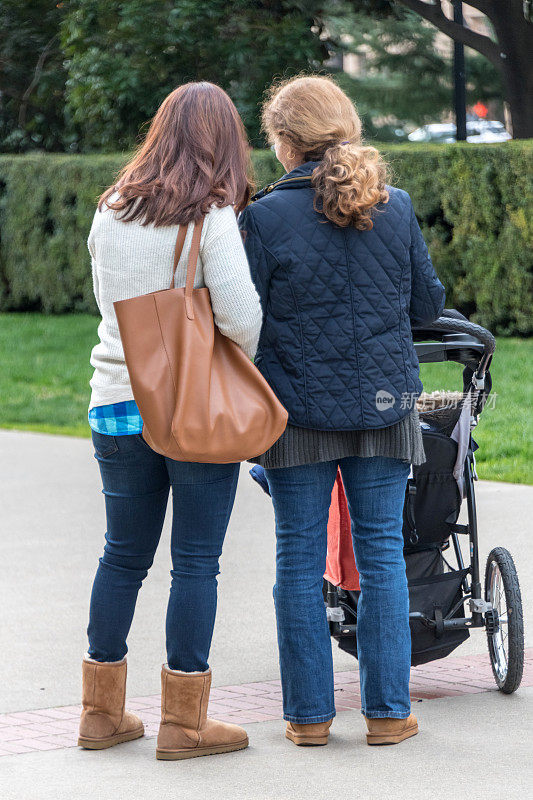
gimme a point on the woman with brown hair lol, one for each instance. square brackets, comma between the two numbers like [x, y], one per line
[342, 271]
[192, 164]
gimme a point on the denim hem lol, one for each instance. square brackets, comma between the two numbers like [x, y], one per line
[88, 657]
[385, 714]
[309, 720]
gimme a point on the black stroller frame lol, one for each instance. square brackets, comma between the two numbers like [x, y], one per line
[438, 592]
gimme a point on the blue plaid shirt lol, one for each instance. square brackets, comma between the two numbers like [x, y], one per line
[116, 419]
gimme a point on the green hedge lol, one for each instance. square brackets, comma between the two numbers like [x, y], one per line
[474, 203]
[475, 206]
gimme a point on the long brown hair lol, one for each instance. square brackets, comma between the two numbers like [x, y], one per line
[316, 118]
[195, 154]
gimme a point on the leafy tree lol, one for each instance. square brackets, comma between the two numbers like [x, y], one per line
[32, 78]
[508, 49]
[124, 56]
[86, 74]
[405, 76]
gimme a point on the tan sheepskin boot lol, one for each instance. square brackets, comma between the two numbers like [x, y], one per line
[104, 721]
[386, 730]
[308, 734]
[185, 730]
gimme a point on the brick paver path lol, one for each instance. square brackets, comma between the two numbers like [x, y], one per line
[54, 728]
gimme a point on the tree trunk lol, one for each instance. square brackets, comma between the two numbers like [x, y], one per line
[515, 37]
[510, 53]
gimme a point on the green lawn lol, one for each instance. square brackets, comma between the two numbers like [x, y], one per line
[45, 371]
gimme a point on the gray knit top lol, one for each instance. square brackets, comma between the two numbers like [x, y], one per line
[299, 446]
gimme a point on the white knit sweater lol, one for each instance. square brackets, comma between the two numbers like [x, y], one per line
[130, 259]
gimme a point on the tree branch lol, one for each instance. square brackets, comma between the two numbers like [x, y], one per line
[485, 6]
[433, 12]
[34, 81]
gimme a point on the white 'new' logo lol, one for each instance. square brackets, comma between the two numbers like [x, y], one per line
[384, 400]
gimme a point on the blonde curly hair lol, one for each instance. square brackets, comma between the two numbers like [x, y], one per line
[318, 120]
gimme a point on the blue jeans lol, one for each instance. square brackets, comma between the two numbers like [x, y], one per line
[136, 483]
[375, 490]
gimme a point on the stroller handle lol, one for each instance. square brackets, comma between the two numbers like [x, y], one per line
[458, 340]
[454, 324]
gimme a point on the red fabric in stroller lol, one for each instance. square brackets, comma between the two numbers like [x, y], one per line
[340, 563]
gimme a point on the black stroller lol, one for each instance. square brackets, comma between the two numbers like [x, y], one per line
[446, 595]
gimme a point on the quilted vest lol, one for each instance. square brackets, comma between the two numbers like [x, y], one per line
[338, 304]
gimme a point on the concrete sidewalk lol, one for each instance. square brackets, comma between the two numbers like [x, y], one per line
[474, 747]
[52, 520]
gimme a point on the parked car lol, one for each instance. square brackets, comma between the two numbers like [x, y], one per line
[479, 131]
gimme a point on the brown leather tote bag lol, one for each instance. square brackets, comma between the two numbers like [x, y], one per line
[200, 396]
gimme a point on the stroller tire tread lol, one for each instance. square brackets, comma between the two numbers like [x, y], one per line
[515, 620]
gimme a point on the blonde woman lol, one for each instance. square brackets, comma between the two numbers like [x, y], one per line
[342, 271]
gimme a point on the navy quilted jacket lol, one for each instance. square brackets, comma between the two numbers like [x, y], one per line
[338, 304]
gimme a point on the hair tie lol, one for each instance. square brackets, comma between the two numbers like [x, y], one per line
[346, 142]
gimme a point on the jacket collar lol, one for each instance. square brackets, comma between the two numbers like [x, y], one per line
[297, 178]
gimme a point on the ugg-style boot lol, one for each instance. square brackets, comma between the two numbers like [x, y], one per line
[386, 730]
[185, 730]
[104, 721]
[308, 734]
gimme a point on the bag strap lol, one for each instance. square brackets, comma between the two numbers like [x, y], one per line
[180, 241]
[191, 267]
[191, 262]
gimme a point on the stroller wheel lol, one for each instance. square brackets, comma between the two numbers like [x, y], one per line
[505, 625]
